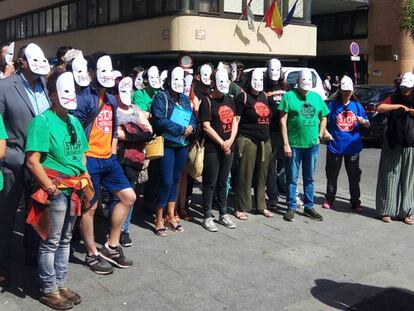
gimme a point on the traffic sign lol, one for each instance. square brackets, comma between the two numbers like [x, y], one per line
[355, 58]
[354, 49]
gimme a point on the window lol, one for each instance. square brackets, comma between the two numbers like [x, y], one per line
[72, 16]
[64, 18]
[233, 6]
[258, 7]
[35, 24]
[209, 6]
[127, 10]
[29, 25]
[12, 29]
[8, 31]
[82, 14]
[155, 7]
[299, 12]
[103, 11]
[49, 21]
[140, 8]
[42, 23]
[91, 12]
[56, 19]
[186, 5]
[114, 10]
[21, 27]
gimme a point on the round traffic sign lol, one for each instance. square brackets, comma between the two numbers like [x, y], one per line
[354, 48]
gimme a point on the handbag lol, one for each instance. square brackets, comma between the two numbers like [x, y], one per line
[155, 148]
[195, 160]
[143, 174]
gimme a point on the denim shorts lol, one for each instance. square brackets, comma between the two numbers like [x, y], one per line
[106, 173]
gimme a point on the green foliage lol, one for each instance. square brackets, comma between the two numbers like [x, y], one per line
[408, 17]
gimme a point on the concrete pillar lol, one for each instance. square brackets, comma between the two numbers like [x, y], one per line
[391, 49]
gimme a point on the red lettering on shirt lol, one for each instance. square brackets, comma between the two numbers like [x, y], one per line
[262, 112]
[226, 115]
[346, 121]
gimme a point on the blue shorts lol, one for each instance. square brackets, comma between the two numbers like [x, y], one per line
[106, 173]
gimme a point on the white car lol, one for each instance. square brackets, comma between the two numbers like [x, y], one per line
[291, 76]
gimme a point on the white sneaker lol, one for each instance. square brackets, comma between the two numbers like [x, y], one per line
[208, 224]
[226, 222]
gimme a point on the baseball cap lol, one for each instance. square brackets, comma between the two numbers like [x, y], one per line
[407, 80]
[347, 84]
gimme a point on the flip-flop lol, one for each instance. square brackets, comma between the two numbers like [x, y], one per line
[177, 227]
[241, 216]
[267, 213]
[162, 232]
[409, 220]
[386, 219]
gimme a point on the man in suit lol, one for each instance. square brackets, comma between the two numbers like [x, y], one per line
[22, 97]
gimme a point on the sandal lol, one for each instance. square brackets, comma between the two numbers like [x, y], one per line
[409, 220]
[386, 219]
[173, 226]
[162, 232]
[241, 215]
[266, 213]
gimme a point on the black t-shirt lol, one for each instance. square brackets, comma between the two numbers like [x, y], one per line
[274, 100]
[254, 115]
[220, 114]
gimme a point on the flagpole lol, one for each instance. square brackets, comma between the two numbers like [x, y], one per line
[258, 28]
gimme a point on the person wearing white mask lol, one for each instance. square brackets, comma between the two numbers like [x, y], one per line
[151, 83]
[303, 123]
[55, 148]
[79, 67]
[253, 147]
[97, 112]
[217, 116]
[344, 123]
[395, 183]
[174, 119]
[134, 131]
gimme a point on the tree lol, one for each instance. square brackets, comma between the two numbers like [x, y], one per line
[408, 17]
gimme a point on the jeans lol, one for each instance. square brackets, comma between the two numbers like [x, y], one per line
[54, 252]
[308, 158]
[171, 168]
[276, 177]
[215, 176]
[332, 168]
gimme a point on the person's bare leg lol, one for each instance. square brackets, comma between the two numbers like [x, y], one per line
[87, 230]
[127, 199]
[159, 219]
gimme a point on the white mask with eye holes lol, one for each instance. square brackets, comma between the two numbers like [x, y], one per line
[188, 80]
[139, 81]
[10, 52]
[154, 77]
[305, 79]
[104, 72]
[233, 71]
[222, 81]
[80, 71]
[163, 77]
[274, 69]
[257, 80]
[65, 86]
[177, 80]
[125, 90]
[37, 61]
[205, 73]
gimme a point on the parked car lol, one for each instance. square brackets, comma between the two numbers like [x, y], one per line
[370, 96]
[291, 76]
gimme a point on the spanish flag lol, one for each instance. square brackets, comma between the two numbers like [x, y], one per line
[273, 19]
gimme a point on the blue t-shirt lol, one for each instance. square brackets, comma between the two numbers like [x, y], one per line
[344, 127]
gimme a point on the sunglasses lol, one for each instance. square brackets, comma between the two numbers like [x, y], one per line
[72, 133]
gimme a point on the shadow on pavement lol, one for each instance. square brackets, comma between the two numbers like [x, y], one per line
[342, 296]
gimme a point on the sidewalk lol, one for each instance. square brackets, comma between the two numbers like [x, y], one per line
[264, 264]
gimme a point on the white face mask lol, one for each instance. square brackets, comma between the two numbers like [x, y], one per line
[65, 86]
[125, 89]
[205, 73]
[10, 52]
[154, 77]
[163, 77]
[37, 61]
[188, 80]
[104, 72]
[274, 69]
[222, 81]
[305, 80]
[257, 80]
[80, 71]
[139, 81]
[233, 71]
[177, 80]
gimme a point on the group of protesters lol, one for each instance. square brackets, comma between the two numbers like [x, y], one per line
[74, 137]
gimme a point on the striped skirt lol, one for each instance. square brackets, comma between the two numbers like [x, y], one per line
[395, 184]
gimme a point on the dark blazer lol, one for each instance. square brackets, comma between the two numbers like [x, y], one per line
[17, 112]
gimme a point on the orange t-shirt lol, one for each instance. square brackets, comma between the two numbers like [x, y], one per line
[100, 138]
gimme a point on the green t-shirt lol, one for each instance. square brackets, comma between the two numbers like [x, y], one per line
[3, 135]
[143, 100]
[49, 135]
[304, 114]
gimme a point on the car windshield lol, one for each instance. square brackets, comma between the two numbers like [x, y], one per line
[292, 79]
[365, 94]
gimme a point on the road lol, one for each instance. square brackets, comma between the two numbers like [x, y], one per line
[264, 264]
